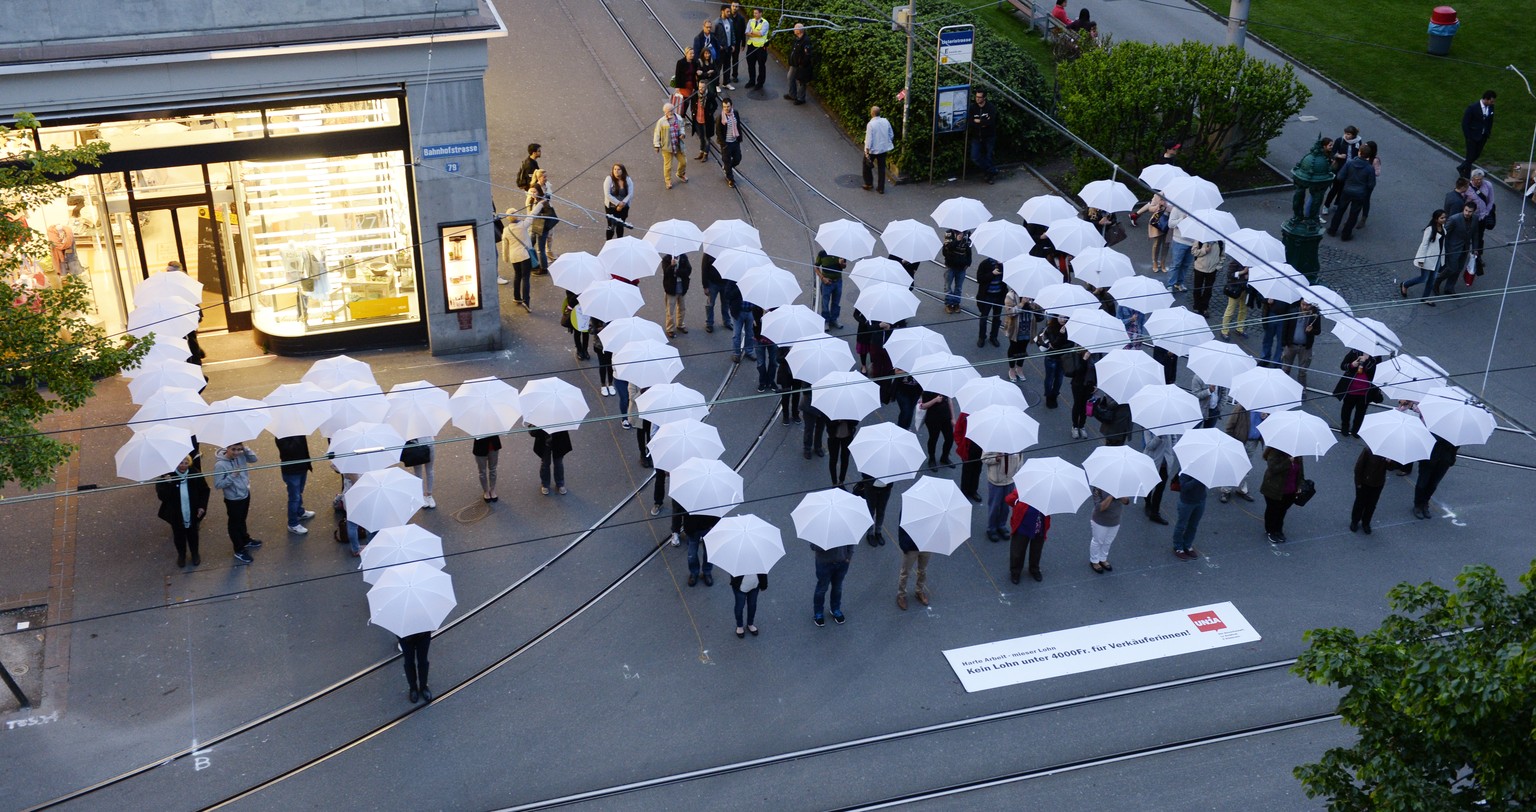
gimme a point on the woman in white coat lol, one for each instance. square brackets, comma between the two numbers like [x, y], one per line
[1430, 255]
[514, 251]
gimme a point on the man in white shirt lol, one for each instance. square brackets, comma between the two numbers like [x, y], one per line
[878, 140]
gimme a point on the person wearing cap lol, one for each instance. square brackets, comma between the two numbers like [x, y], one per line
[1171, 149]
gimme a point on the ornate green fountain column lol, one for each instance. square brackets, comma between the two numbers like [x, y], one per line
[1302, 233]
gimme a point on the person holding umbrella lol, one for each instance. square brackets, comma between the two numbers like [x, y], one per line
[487, 453]
[1283, 475]
[1192, 496]
[911, 557]
[183, 503]
[413, 652]
[1028, 528]
[1431, 471]
[1355, 391]
[745, 589]
[695, 527]
[940, 422]
[877, 495]
[1000, 470]
[1104, 525]
[551, 448]
[840, 434]
[1243, 427]
[293, 451]
[231, 475]
[831, 569]
[1370, 477]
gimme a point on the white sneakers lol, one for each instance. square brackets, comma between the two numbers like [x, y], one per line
[298, 529]
[429, 501]
[676, 542]
[306, 515]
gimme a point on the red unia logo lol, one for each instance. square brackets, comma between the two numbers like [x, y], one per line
[1207, 621]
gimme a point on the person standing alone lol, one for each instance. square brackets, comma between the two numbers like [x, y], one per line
[878, 141]
[1476, 126]
[983, 127]
[731, 132]
[802, 61]
[672, 143]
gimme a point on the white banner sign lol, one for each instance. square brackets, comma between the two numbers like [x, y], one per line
[1102, 645]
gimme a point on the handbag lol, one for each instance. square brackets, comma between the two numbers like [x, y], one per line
[414, 453]
[1305, 493]
[1234, 289]
[1492, 219]
[1162, 220]
[1114, 233]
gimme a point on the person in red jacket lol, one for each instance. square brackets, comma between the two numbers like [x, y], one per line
[1029, 527]
[970, 461]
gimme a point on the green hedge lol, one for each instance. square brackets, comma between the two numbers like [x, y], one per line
[864, 64]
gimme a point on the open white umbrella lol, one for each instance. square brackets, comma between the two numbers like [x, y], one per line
[673, 237]
[831, 518]
[881, 302]
[1192, 193]
[576, 270]
[1028, 275]
[411, 598]
[165, 375]
[845, 238]
[400, 545]
[1097, 331]
[154, 451]
[1213, 457]
[744, 545]
[677, 442]
[878, 270]
[887, 452]
[328, 373]
[1000, 239]
[233, 420]
[1042, 210]
[815, 358]
[647, 363]
[769, 287]
[1297, 433]
[729, 234]
[912, 240]
[960, 214]
[629, 257]
[1123, 373]
[1251, 247]
[1108, 196]
[553, 405]
[417, 409]
[354, 402]
[382, 498]
[1051, 485]
[483, 406]
[1165, 409]
[1399, 436]
[791, 323]
[1217, 362]
[705, 486]
[990, 391]
[907, 344]
[1407, 377]
[174, 406]
[1177, 330]
[1158, 176]
[1456, 417]
[366, 447]
[671, 403]
[163, 317]
[1101, 267]
[610, 299]
[1121, 471]
[1367, 335]
[1141, 293]
[1277, 280]
[297, 409]
[936, 515]
[630, 328]
[1065, 299]
[169, 285]
[943, 372]
[1071, 235]
[845, 396]
[1266, 390]
[1208, 225]
[165, 348]
[1328, 301]
[734, 263]
[1003, 429]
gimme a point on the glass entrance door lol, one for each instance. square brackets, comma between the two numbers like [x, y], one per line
[176, 237]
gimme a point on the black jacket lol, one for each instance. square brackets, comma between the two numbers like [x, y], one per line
[1359, 177]
[983, 120]
[957, 251]
[1314, 327]
[989, 281]
[1460, 234]
[294, 452]
[559, 443]
[802, 57]
[1473, 126]
[676, 275]
[167, 490]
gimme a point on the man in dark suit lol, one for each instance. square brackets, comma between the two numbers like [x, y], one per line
[1476, 126]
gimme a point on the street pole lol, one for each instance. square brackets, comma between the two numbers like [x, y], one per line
[906, 95]
[1237, 23]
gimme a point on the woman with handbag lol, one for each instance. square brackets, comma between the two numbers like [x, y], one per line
[745, 588]
[1429, 257]
[1157, 230]
[618, 193]
[1284, 476]
[1355, 391]
[417, 456]
[543, 211]
[1236, 291]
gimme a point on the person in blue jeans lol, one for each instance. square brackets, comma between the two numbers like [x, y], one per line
[831, 569]
[982, 123]
[829, 272]
[1275, 319]
[767, 355]
[294, 453]
[744, 337]
[1192, 493]
[1053, 339]
[695, 527]
[1181, 253]
[957, 259]
[714, 288]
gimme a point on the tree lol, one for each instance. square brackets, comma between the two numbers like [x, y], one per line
[50, 354]
[1223, 105]
[1442, 695]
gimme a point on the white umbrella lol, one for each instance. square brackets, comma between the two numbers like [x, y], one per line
[168, 317]
[674, 237]
[705, 486]
[845, 396]
[154, 451]
[1192, 193]
[881, 302]
[1213, 457]
[791, 323]
[1367, 335]
[417, 409]
[729, 234]
[1399, 436]
[354, 402]
[1123, 373]
[744, 545]
[629, 257]
[1000, 239]
[912, 240]
[1407, 377]
[482, 407]
[769, 287]
[831, 518]
[1177, 330]
[1208, 225]
[1003, 429]
[670, 403]
[1028, 275]
[1158, 176]
[1297, 433]
[610, 299]
[887, 452]
[1165, 409]
[575, 270]
[233, 420]
[990, 391]
[734, 263]
[165, 375]
[400, 545]
[1277, 281]
[1073, 236]
[936, 515]
[178, 407]
[907, 344]
[297, 409]
[1097, 331]
[1456, 417]
[1065, 298]
[1266, 390]
[647, 363]
[1101, 267]
[1217, 362]
[943, 372]
[383, 498]
[165, 348]
[328, 373]
[1042, 210]
[846, 239]
[366, 447]
[1328, 301]
[1251, 247]
[1141, 293]
[1051, 485]
[674, 443]
[411, 598]
[960, 214]
[878, 270]
[553, 405]
[1121, 471]
[1108, 196]
[630, 328]
[815, 358]
[169, 285]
